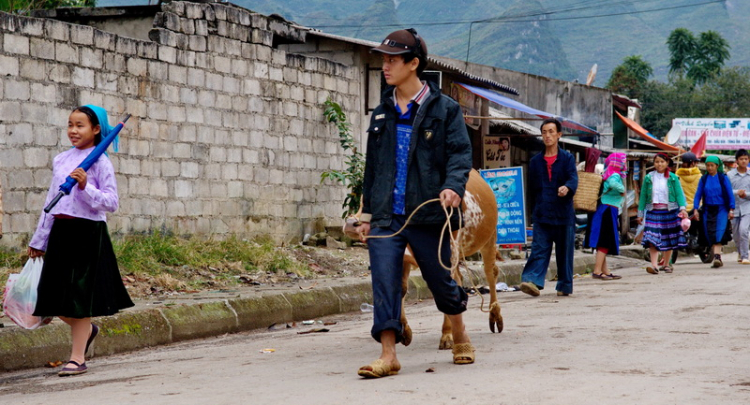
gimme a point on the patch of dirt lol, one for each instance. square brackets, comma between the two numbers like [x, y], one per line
[322, 262]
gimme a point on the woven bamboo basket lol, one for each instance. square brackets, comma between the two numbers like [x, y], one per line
[587, 194]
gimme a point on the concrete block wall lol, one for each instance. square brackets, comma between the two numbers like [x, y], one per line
[227, 134]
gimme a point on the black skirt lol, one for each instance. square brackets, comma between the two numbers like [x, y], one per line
[603, 232]
[80, 277]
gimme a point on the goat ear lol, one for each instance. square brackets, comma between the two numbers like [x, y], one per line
[350, 228]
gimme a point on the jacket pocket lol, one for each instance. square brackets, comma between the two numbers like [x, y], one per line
[431, 131]
[376, 127]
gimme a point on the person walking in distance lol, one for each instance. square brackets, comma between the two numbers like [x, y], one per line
[418, 149]
[740, 179]
[605, 237]
[689, 175]
[716, 201]
[662, 203]
[553, 181]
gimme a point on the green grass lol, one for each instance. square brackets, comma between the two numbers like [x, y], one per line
[173, 263]
[11, 261]
[193, 260]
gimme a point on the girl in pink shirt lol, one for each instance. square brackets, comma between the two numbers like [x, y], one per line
[80, 278]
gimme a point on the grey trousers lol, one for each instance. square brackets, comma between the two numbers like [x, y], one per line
[741, 230]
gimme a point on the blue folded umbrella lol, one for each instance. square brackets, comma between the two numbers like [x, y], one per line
[108, 136]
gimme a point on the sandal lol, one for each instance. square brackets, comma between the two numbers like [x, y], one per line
[667, 269]
[600, 276]
[652, 270]
[378, 369]
[463, 353]
[94, 332]
[79, 369]
[613, 276]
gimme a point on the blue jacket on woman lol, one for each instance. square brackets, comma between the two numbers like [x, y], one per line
[547, 207]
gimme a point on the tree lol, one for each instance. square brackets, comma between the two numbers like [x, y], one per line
[662, 102]
[25, 6]
[682, 45]
[722, 96]
[725, 95]
[698, 59]
[630, 76]
[711, 53]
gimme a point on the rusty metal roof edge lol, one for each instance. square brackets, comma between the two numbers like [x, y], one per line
[626, 100]
[436, 61]
[496, 85]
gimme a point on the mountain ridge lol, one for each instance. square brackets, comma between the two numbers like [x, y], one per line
[562, 39]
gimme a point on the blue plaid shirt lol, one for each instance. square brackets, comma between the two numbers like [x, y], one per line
[403, 140]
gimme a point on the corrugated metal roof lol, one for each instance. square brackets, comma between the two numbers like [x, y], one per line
[570, 141]
[515, 125]
[434, 61]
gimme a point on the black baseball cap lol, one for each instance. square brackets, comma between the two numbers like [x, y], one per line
[689, 157]
[402, 42]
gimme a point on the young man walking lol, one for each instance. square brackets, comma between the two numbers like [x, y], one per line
[417, 149]
[740, 179]
[553, 181]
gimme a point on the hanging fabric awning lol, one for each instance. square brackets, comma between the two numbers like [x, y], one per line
[510, 103]
[635, 127]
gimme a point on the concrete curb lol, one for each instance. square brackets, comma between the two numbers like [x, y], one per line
[131, 330]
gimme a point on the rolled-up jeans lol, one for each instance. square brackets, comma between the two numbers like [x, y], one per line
[741, 229]
[387, 265]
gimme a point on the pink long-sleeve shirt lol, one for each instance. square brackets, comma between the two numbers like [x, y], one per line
[93, 202]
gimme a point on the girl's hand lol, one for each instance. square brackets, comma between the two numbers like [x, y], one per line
[640, 220]
[683, 214]
[34, 253]
[697, 215]
[80, 176]
[731, 215]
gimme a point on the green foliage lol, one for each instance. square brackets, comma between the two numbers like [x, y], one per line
[353, 174]
[12, 257]
[174, 263]
[723, 95]
[25, 6]
[712, 52]
[698, 59]
[682, 45]
[630, 77]
[157, 253]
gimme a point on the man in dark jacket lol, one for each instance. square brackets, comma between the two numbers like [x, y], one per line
[553, 181]
[417, 150]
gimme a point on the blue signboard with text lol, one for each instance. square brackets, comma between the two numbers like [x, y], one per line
[507, 184]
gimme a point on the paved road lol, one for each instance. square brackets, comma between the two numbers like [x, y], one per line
[678, 338]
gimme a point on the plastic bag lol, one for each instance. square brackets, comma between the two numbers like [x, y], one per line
[21, 293]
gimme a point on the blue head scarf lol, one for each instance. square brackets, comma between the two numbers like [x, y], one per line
[101, 115]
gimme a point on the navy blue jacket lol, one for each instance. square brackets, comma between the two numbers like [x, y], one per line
[439, 158]
[541, 194]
